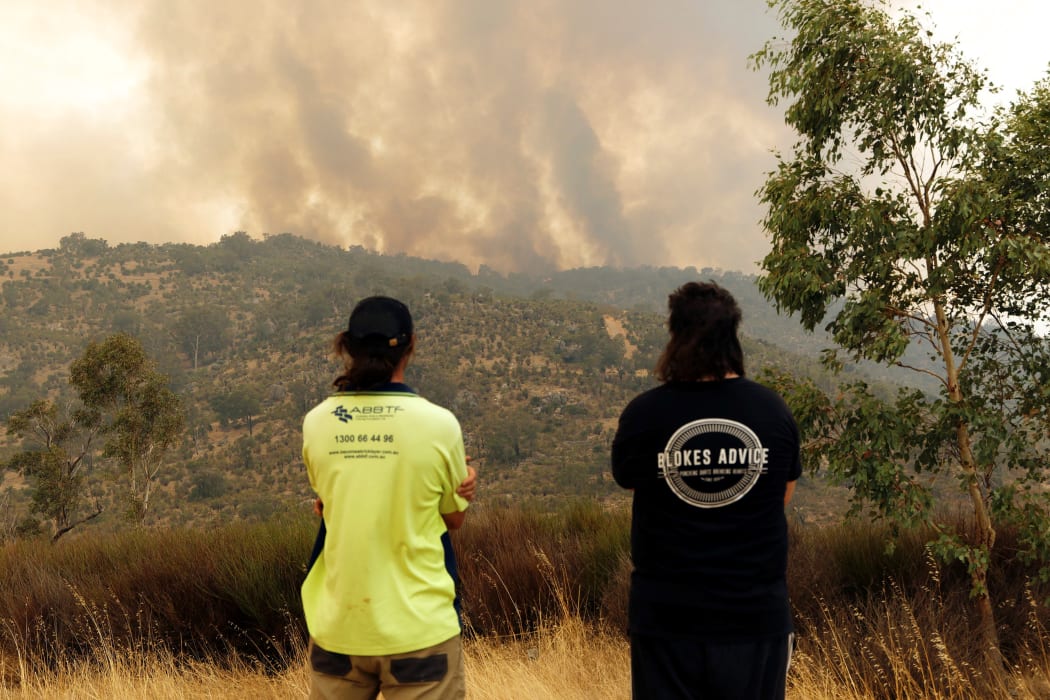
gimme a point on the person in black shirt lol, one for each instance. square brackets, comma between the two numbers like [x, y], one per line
[712, 458]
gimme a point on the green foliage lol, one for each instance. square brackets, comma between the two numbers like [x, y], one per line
[105, 374]
[28, 527]
[1017, 163]
[886, 452]
[911, 220]
[202, 331]
[57, 451]
[240, 403]
[208, 485]
[116, 378]
[79, 245]
[888, 134]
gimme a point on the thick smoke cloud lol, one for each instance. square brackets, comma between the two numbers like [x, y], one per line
[518, 134]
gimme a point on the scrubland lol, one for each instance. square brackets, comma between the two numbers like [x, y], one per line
[214, 614]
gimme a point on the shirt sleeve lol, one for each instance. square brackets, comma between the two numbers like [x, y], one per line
[454, 472]
[626, 448]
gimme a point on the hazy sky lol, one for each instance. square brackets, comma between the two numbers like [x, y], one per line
[519, 133]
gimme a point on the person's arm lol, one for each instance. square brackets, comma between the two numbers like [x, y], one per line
[789, 492]
[628, 448]
[454, 521]
[622, 461]
[469, 486]
[466, 490]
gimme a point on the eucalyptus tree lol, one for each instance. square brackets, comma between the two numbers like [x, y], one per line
[908, 215]
[202, 332]
[143, 418]
[56, 456]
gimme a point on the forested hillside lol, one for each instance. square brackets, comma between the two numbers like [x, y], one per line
[537, 369]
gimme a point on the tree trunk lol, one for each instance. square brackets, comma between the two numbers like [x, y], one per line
[985, 532]
[144, 500]
[993, 656]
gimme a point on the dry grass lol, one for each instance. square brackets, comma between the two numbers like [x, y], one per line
[570, 660]
[545, 596]
[156, 675]
[887, 650]
[567, 661]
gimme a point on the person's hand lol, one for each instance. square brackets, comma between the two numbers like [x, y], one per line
[469, 487]
[318, 507]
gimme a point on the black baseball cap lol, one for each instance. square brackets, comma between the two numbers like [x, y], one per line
[380, 322]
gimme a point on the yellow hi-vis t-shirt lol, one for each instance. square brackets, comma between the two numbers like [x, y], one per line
[386, 465]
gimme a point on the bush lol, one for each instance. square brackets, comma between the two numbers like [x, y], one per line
[888, 623]
[208, 485]
[189, 591]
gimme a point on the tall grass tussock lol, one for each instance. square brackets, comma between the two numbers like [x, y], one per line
[216, 614]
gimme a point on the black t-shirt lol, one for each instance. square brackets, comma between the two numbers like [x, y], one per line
[709, 463]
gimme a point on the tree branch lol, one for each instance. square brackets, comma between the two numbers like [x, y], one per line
[902, 313]
[986, 308]
[67, 528]
[911, 175]
[1006, 332]
[920, 370]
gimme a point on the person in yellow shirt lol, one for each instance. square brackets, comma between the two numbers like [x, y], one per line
[380, 598]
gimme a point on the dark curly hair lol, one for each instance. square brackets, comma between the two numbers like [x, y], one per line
[703, 322]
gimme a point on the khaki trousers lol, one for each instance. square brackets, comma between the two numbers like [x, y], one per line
[435, 673]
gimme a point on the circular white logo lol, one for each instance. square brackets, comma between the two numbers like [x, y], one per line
[722, 468]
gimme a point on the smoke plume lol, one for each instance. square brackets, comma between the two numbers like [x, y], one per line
[523, 135]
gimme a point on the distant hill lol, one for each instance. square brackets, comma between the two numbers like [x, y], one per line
[536, 368]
